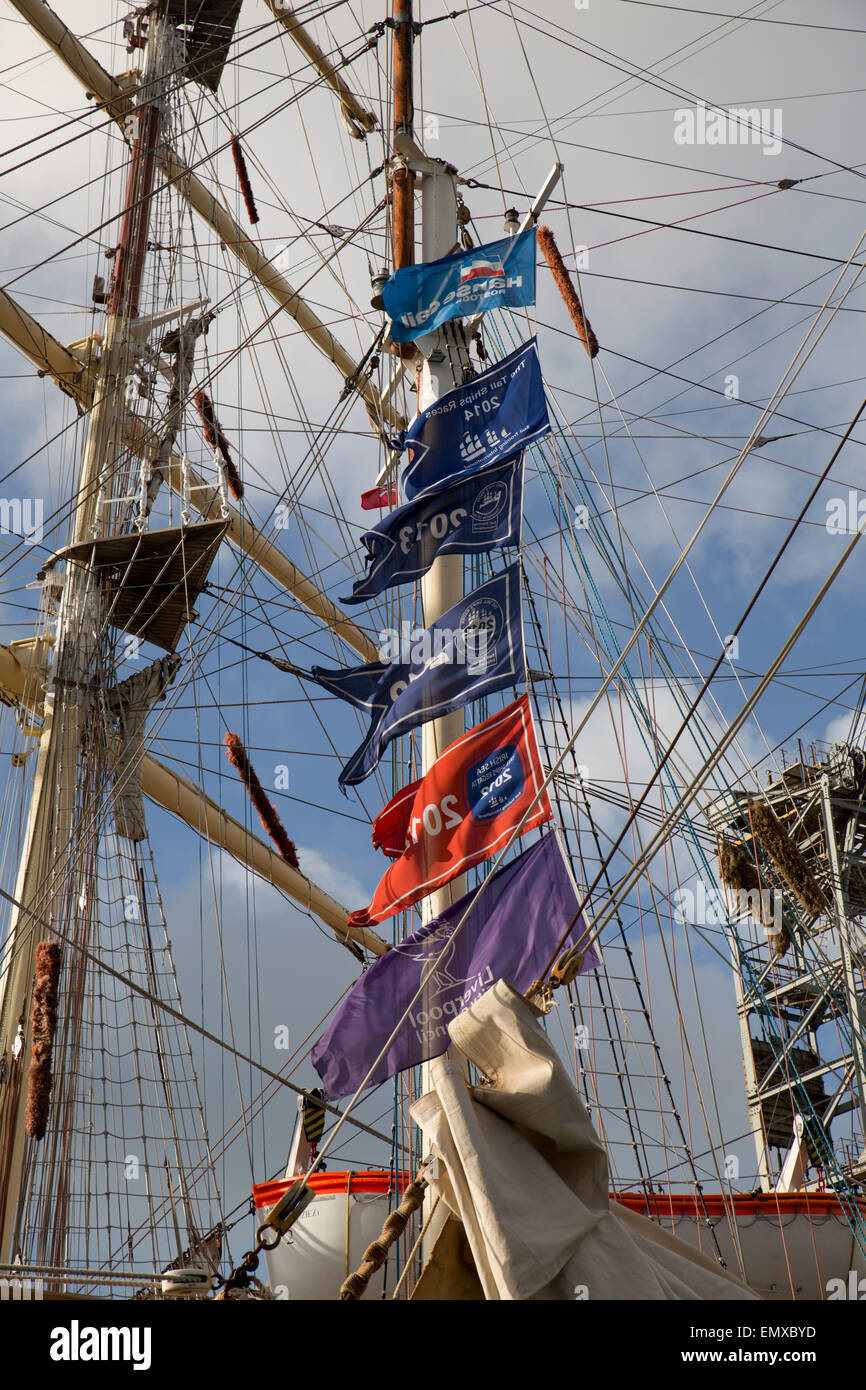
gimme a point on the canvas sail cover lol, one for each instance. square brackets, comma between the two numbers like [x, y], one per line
[524, 1170]
[130, 703]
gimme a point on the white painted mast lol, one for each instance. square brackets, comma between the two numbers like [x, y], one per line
[438, 359]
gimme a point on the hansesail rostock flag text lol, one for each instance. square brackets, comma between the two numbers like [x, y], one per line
[499, 275]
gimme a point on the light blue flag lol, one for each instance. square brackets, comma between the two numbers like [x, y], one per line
[500, 275]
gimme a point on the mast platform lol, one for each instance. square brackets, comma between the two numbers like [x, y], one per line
[152, 579]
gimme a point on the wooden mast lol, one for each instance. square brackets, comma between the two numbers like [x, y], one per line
[403, 177]
[363, 118]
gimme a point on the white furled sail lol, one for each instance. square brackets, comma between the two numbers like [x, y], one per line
[525, 1171]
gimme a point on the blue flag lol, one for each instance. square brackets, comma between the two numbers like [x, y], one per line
[493, 415]
[472, 515]
[511, 934]
[474, 649]
[500, 275]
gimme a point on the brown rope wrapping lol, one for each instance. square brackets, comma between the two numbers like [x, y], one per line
[780, 942]
[550, 251]
[736, 866]
[376, 1254]
[244, 181]
[43, 1021]
[217, 440]
[778, 846]
[237, 756]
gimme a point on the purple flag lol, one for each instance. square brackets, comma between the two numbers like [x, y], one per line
[510, 934]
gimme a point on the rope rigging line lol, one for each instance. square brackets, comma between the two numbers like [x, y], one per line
[167, 1008]
[642, 74]
[749, 18]
[315, 539]
[158, 188]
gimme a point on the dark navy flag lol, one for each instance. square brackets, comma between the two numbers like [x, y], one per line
[474, 649]
[472, 515]
[496, 413]
[500, 275]
[510, 934]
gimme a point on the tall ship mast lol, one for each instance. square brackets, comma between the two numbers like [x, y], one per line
[340, 463]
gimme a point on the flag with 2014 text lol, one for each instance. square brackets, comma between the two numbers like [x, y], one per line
[473, 425]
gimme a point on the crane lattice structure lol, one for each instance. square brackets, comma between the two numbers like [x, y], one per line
[793, 860]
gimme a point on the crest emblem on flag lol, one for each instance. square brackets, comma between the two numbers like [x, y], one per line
[489, 506]
[481, 623]
[434, 959]
[474, 649]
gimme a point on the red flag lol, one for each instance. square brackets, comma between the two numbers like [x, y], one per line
[391, 826]
[462, 811]
[378, 497]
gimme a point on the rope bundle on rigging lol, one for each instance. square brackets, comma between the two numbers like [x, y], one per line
[237, 756]
[217, 440]
[781, 849]
[43, 1021]
[737, 868]
[550, 251]
[244, 181]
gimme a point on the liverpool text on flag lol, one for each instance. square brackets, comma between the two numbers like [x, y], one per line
[402, 1005]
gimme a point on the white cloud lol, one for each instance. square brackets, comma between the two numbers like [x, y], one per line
[341, 884]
